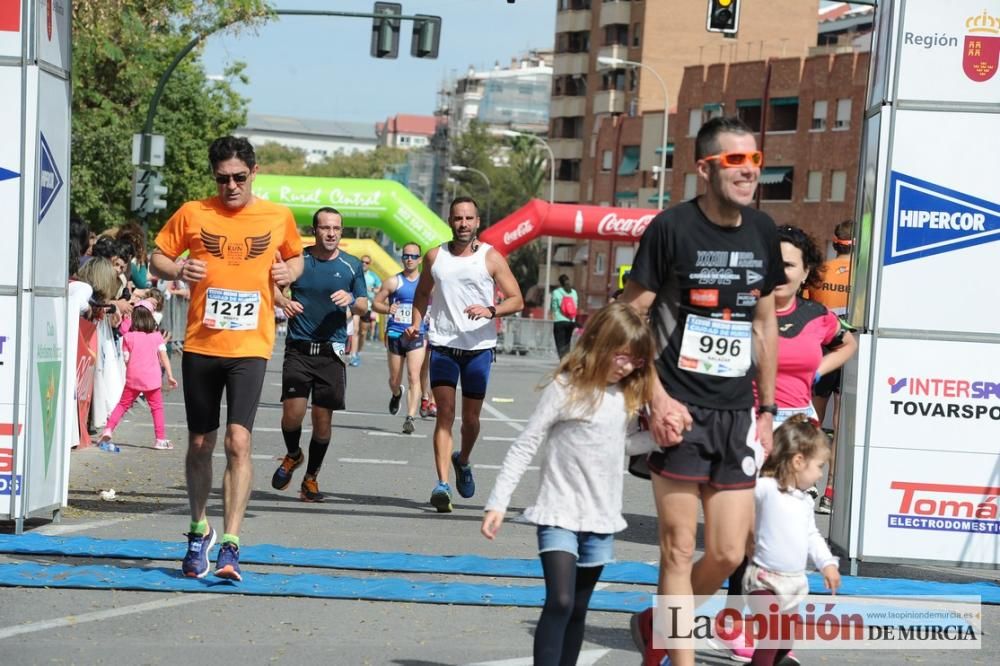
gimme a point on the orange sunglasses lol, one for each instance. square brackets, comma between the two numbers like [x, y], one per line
[737, 159]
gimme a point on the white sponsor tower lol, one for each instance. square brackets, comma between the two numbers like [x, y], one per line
[34, 208]
[919, 463]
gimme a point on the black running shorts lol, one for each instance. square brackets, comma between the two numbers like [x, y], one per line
[828, 384]
[716, 451]
[324, 375]
[204, 379]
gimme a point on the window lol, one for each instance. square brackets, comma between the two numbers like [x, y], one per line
[669, 162]
[776, 183]
[748, 110]
[599, 263]
[694, 122]
[690, 185]
[613, 80]
[838, 185]
[626, 199]
[843, 121]
[630, 161]
[784, 114]
[636, 34]
[616, 34]
[710, 111]
[568, 170]
[819, 115]
[606, 158]
[814, 186]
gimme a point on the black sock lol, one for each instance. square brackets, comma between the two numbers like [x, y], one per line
[292, 441]
[736, 579]
[317, 451]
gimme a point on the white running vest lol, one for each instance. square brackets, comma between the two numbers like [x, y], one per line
[458, 283]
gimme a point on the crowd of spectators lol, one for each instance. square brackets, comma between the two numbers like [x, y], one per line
[108, 275]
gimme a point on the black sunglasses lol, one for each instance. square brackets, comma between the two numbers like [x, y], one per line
[412, 257]
[237, 178]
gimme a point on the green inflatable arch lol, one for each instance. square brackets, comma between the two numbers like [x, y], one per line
[383, 204]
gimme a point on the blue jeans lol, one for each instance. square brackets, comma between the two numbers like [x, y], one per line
[590, 548]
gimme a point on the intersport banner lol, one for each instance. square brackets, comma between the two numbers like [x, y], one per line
[539, 218]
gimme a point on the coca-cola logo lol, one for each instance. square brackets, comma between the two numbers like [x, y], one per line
[518, 232]
[612, 225]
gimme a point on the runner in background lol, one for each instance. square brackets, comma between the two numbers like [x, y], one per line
[395, 299]
[833, 293]
[240, 247]
[322, 298]
[363, 323]
[461, 277]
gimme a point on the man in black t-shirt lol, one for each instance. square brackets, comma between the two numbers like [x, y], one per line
[705, 272]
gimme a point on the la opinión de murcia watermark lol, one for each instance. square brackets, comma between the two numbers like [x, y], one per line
[818, 622]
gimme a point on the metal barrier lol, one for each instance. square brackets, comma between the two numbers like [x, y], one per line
[174, 322]
[526, 336]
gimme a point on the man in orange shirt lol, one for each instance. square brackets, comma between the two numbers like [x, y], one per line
[833, 294]
[239, 247]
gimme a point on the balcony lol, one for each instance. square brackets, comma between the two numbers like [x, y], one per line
[567, 191]
[568, 107]
[569, 63]
[573, 21]
[567, 149]
[618, 51]
[609, 101]
[619, 12]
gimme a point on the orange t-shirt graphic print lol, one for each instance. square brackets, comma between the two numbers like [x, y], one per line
[231, 313]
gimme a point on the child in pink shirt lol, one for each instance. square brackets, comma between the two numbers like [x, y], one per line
[145, 354]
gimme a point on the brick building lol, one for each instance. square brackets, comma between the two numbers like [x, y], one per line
[812, 117]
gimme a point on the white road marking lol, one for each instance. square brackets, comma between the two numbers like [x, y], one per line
[96, 616]
[253, 456]
[373, 461]
[500, 416]
[498, 439]
[530, 468]
[382, 433]
[585, 658]
[60, 529]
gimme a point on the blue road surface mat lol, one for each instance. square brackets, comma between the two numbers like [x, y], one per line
[160, 579]
[633, 573]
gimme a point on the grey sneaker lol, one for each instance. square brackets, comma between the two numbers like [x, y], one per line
[825, 505]
[408, 425]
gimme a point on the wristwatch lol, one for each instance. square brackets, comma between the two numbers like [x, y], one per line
[493, 311]
[770, 409]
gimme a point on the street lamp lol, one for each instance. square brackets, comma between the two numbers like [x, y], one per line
[620, 62]
[458, 168]
[552, 200]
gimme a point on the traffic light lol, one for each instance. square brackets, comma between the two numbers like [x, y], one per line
[155, 193]
[426, 36]
[385, 30]
[723, 16]
[147, 192]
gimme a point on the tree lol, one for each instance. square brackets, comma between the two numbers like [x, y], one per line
[276, 158]
[367, 164]
[120, 49]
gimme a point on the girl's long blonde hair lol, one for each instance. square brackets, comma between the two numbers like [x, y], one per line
[615, 327]
[799, 434]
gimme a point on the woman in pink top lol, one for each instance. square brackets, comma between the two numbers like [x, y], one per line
[145, 355]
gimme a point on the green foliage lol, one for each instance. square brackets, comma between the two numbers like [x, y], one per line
[120, 49]
[275, 158]
[367, 164]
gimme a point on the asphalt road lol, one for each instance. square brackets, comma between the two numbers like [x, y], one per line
[378, 482]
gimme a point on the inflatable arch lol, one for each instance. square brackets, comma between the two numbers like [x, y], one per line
[382, 263]
[539, 218]
[382, 204]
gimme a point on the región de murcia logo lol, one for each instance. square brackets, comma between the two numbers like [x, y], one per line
[235, 253]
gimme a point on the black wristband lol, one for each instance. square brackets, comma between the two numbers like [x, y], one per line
[770, 409]
[493, 311]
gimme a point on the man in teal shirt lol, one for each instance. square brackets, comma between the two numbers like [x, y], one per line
[564, 314]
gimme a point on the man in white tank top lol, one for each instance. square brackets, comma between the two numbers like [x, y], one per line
[462, 276]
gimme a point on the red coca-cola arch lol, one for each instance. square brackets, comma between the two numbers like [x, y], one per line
[539, 218]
